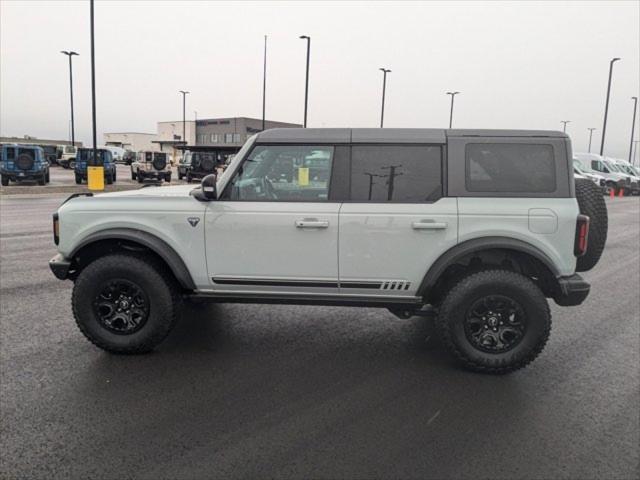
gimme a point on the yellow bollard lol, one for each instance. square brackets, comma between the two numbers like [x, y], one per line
[95, 178]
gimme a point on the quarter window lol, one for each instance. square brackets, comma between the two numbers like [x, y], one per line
[403, 173]
[510, 167]
[284, 173]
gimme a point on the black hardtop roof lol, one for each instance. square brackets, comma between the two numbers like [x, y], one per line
[388, 135]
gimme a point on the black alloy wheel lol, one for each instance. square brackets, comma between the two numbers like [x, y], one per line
[121, 306]
[495, 324]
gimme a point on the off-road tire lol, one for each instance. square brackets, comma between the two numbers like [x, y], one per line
[4, 180]
[78, 179]
[453, 309]
[109, 178]
[189, 178]
[152, 277]
[133, 175]
[180, 176]
[115, 174]
[167, 178]
[47, 177]
[42, 180]
[592, 204]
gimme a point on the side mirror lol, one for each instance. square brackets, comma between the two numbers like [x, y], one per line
[207, 191]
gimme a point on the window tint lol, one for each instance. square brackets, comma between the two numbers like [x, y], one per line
[284, 173]
[11, 153]
[510, 167]
[396, 173]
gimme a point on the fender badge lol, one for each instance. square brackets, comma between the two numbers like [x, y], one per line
[193, 221]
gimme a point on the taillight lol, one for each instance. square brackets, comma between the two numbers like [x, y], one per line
[56, 229]
[582, 236]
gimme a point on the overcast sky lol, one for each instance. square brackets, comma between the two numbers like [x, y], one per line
[518, 65]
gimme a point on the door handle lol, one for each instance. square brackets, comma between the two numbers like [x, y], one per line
[428, 225]
[312, 223]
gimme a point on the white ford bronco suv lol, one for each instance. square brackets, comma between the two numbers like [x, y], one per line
[475, 227]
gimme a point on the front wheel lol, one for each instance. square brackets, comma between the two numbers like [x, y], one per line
[124, 303]
[494, 321]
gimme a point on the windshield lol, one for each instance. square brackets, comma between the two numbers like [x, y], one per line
[626, 168]
[70, 149]
[583, 167]
[613, 167]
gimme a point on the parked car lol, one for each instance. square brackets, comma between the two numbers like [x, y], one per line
[626, 168]
[50, 153]
[83, 159]
[202, 164]
[591, 161]
[475, 227]
[183, 165]
[23, 162]
[152, 165]
[67, 156]
[129, 157]
[580, 172]
[117, 153]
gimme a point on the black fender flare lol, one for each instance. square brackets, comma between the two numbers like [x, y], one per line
[148, 240]
[459, 251]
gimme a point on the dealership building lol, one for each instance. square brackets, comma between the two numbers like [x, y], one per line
[224, 134]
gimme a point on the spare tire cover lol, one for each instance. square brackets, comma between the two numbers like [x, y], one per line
[208, 164]
[159, 162]
[592, 204]
[25, 161]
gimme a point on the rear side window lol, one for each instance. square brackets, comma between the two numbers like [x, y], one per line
[510, 167]
[398, 173]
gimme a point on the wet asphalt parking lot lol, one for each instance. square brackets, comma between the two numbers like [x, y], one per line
[310, 392]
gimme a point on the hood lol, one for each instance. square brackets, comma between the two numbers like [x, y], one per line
[153, 191]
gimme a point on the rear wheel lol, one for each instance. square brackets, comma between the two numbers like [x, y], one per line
[78, 179]
[4, 180]
[42, 180]
[494, 321]
[124, 303]
[592, 204]
[109, 178]
[133, 175]
[167, 177]
[47, 177]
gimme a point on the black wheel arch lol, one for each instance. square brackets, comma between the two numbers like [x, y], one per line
[127, 239]
[478, 253]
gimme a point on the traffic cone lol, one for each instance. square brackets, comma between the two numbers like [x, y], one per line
[621, 192]
[612, 193]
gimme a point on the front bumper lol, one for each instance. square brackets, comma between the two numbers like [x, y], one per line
[572, 291]
[60, 266]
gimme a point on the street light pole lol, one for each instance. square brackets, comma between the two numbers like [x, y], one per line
[264, 84]
[453, 94]
[384, 89]
[633, 125]
[93, 86]
[564, 125]
[306, 84]
[71, 54]
[184, 120]
[606, 105]
[590, 136]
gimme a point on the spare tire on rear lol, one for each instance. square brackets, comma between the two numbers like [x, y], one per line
[592, 204]
[25, 161]
[208, 164]
[159, 162]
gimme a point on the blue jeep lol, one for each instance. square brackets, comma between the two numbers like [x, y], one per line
[83, 158]
[23, 162]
